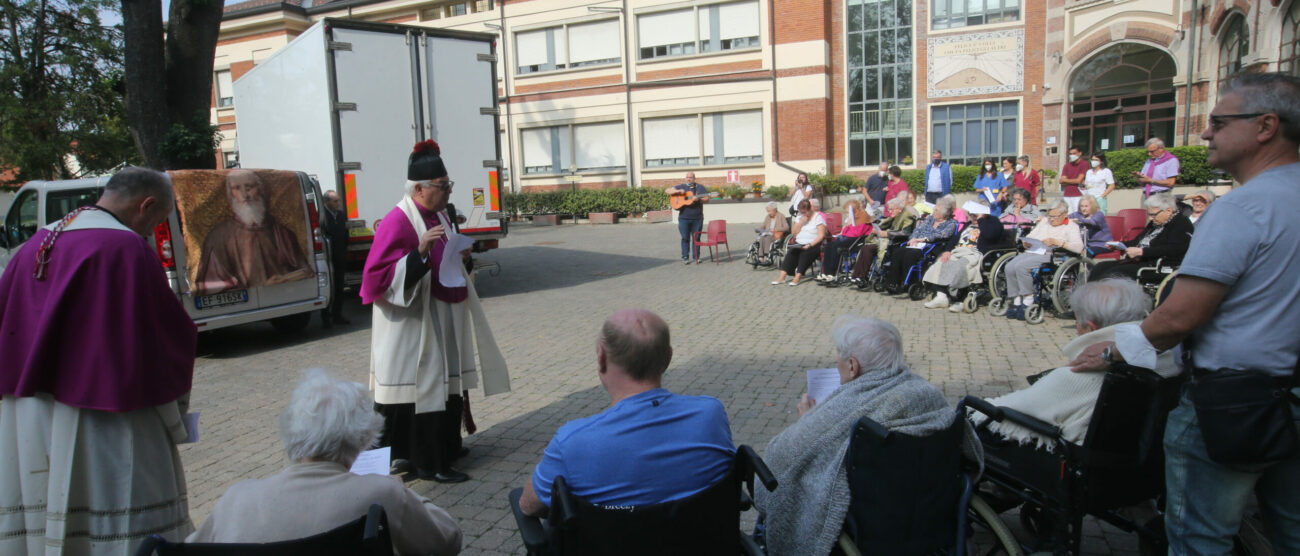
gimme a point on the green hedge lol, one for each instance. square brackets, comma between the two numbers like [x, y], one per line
[623, 201]
[1192, 167]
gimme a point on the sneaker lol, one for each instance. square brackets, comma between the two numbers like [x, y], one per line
[956, 308]
[940, 300]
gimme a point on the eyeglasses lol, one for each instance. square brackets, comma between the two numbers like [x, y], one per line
[1154, 214]
[444, 186]
[1217, 121]
[1198, 200]
[1061, 215]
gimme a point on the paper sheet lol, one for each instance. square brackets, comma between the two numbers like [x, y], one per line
[1116, 245]
[1035, 246]
[191, 422]
[449, 270]
[822, 382]
[372, 462]
[990, 195]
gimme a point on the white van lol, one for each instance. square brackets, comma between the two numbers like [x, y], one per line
[288, 306]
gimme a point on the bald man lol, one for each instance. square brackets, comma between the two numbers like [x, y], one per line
[651, 445]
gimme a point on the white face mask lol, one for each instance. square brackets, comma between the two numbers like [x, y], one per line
[1095, 163]
[1074, 158]
[988, 167]
[1020, 167]
[882, 173]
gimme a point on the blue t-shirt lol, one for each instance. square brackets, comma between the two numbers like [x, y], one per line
[1248, 240]
[693, 211]
[649, 448]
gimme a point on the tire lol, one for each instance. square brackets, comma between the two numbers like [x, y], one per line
[997, 278]
[981, 515]
[291, 324]
[878, 285]
[998, 307]
[916, 291]
[752, 259]
[971, 303]
[1064, 280]
[1034, 314]
[1166, 286]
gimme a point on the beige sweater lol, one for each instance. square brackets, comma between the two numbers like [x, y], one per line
[311, 498]
[1067, 233]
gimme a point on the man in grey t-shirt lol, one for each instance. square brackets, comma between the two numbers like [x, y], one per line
[1238, 297]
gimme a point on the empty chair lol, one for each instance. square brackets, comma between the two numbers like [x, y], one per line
[1134, 221]
[714, 236]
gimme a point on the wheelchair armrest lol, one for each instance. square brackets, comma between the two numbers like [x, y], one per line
[530, 528]
[996, 413]
[562, 510]
[756, 464]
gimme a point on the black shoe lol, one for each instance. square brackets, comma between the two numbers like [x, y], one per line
[399, 466]
[448, 476]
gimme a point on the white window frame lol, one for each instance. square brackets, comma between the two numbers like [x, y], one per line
[703, 44]
[708, 146]
[558, 166]
[225, 99]
[956, 14]
[560, 34]
[230, 159]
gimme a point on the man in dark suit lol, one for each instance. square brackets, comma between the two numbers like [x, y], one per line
[335, 227]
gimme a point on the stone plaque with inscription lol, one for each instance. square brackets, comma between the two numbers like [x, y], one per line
[976, 63]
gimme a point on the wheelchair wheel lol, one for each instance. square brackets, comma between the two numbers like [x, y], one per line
[752, 259]
[971, 303]
[998, 307]
[1064, 281]
[983, 516]
[878, 285]
[997, 278]
[1166, 286]
[1034, 314]
[916, 291]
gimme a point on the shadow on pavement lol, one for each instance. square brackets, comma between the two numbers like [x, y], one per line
[536, 268]
[257, 337]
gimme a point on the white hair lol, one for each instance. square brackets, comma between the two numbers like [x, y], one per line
[816, 204]
[1161, 201]
[1092, 199]
[1060, 205]
[329, 419]
[1156, 141]
[410, 185]
[1109, 302]
[1209, 195]
[876, 344]
[897, 202]
[771, 205]
[946, 205]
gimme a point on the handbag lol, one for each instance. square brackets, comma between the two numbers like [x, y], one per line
[1245, 416]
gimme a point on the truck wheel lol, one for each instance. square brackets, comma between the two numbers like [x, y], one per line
[291, 324]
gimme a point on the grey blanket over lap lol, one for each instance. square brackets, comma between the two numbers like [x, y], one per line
[806, 512]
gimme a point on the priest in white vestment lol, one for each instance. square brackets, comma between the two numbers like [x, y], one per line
[427, 323]
[98, 357]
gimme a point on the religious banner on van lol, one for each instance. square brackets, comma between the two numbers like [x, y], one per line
[243, 228]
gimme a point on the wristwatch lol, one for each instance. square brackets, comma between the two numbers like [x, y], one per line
[1108, 355]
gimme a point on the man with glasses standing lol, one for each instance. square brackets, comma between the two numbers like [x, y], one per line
[426, 322]
[1235, 309]
[1160, 171]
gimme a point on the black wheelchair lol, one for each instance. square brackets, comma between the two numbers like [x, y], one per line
[1054, 281]
[774, 255]
[843, 271]
[707, 522]
[1119, 464]
[367, 535]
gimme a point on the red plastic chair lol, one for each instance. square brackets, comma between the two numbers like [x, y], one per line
[715, 236]
[1117, 226]
[834, 222]
[1135, 220]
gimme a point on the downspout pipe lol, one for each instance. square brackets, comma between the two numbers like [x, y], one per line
[1191, 76]
[627, 91]
[776, 122]
[505, 72]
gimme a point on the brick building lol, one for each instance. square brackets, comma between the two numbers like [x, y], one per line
[640, 91]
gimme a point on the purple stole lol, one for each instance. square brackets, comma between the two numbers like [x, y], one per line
[1151, 171]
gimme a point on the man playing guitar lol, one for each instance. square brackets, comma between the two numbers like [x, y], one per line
[689, 198]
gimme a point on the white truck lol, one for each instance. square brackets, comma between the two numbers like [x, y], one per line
[346, 101]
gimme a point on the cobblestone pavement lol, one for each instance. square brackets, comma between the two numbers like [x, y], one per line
[734, 337]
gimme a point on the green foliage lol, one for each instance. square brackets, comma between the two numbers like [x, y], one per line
[733, 191]
[61, 89]
[1192, 165]
[191, 140]
[622, 201]
[778, 192]
[834, 184]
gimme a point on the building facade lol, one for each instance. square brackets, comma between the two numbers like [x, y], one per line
[639, 92]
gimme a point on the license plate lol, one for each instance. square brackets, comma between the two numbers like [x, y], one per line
[219, 299]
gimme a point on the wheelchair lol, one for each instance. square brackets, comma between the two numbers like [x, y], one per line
[774, 253]
[912, 284]
[843, 272]
[1120, 463]
[707, 522]
[1054, 281]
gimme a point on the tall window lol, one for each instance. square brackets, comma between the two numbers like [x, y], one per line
[568, 46]
[1233, 48]
[1288, 60]
[225, 90]
[1122, 97]
[230, 159]
[950, 14]
[879, 81]
[713, 28]
[587, 147]
[704, 139]
[968, 133]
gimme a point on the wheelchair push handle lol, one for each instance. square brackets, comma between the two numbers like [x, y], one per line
[1003, 414]
[759, 468]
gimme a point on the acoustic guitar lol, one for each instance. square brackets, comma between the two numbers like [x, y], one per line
[682, 197]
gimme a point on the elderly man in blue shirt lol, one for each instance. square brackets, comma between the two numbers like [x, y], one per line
[938, 178]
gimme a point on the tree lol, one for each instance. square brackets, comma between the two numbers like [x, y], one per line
[169, 80]
[60, 89]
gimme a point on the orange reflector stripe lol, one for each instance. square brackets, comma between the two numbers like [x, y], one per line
[494, 201]
[350, 194]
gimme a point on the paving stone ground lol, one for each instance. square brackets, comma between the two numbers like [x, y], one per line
[734, 337]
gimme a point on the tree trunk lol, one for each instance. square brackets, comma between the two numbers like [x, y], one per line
[192, 29]
[146, 91]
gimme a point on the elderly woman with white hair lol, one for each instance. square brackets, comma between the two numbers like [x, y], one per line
[1065, 398]
[326, 426]
[804, 516]
[935, 228]
[898, 224]
[1056, 231]
[1166, 237]
[774, 226]
[959, 267]
[1199, 201]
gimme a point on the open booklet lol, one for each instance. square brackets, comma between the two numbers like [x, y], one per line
[1035, 246]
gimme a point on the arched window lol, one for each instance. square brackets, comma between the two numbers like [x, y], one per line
[1232, 47]
[1122, 97]
[1288, 60]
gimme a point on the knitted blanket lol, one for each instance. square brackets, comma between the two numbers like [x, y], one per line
[806, 512]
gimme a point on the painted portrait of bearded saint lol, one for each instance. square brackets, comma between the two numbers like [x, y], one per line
[250, 248]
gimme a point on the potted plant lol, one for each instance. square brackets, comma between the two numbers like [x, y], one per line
[778, 192]
[756, 188]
